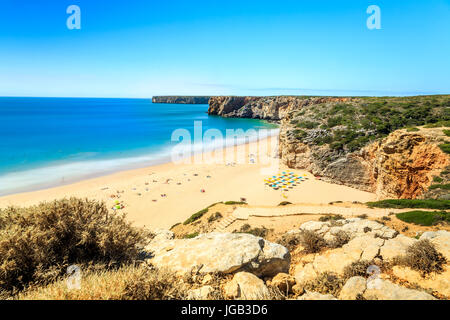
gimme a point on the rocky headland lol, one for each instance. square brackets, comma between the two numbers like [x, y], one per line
[181, 99]
[391, 146]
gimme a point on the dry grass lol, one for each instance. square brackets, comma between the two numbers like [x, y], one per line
[325, 283]
[311, 241]
[357, 268]
[126, 283]
[38, 243]
[341, 238]
[289, 240]
[423, 257]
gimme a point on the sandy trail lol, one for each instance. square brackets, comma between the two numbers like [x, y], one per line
[160, 196]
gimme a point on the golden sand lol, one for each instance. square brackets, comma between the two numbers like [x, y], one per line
[160, 196]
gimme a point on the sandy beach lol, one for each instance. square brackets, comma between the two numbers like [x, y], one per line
[160, 196]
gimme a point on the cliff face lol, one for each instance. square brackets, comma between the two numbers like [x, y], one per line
[400, 166]
[266, 108]
[181, 99]
[354, 141]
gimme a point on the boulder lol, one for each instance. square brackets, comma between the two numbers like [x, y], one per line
[439, 282]
[364, 247]
[353, 288]
[395, 247]
[380, 289]
[304, 273]
[284, 282]
[246, 286]
[220, 252]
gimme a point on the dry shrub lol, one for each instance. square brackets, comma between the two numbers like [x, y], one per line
[126, 283]
[325, 283]
[311, 241]
[340, 238]
[143, 282]
[290, 240]
[154, 284]
[423, 257]
[357, 268]
[257, 232]
[38, 243]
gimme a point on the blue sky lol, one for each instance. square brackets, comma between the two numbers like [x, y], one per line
[139, 48]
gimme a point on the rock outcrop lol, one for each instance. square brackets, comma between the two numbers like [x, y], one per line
[372, 243]
[402, 165]
[219, 252]
[181, 99]
[246, 286]
[340, 139]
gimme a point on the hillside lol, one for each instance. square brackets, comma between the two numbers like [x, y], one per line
[369, 143]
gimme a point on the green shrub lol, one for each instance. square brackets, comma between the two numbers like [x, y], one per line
[411, 203]
[424, 218]
[308, 124]
[446, 132]
[445, 147]
[413, 129]
[38, 243]
[191, 235]
[234, 202]
[440, 186]
[437, 179]
[196, 216]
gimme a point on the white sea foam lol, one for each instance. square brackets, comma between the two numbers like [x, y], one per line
[65, 173]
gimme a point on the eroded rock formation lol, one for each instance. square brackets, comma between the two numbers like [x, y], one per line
[343, 140]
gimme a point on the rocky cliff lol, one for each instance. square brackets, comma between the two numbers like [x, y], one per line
[181, 99]
[355, 141]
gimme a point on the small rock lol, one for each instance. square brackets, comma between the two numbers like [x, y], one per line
[207, 279]
[298, 289]
[246, 286]
[380, 289]
[354, 287]
[284, 282]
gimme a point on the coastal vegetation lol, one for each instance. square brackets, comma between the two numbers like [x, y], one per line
[423, 257]
[351, 125]
[424, 218]
[411, 203]
[39, 243]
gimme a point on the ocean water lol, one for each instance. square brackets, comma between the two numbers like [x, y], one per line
[46, 142]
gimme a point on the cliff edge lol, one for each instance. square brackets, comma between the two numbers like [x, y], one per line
[369, 143]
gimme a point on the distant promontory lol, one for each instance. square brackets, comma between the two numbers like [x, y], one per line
[181, 99]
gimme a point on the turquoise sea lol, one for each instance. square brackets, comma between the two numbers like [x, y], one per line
[46, 142]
